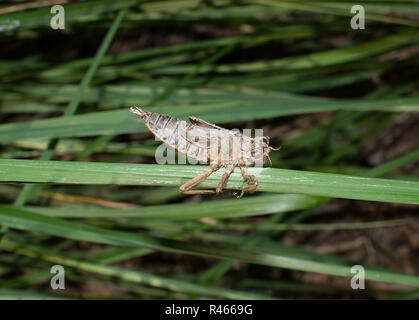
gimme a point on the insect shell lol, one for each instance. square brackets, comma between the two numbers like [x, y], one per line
[206, 142]
[209, 144]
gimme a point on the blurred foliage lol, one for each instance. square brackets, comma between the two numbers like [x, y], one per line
[341, 103]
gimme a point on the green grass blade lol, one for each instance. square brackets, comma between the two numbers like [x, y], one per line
[122, 121]
[13, 294]
[92, 10]
[128, 275]
[25, 220]
[377, 12]
[314, 60]
[291, 32]
[270, 179]
[317, 226]
[29, 189]
[227, 208]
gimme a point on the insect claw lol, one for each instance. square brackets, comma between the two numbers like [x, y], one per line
[241, 194]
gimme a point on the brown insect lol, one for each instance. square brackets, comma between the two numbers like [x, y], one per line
[209, 144]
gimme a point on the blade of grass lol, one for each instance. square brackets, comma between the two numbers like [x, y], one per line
[270, 179]
[101, 141]
[122, 121]
[25, 220]
[125, 274]
[375, 12]
[29, 190]
[74, 12]
[13, 294]
[291, 32]
[317, 226]
[219, 269]
[215, 272]
[314, 60]
[393, 164]
[228, 208]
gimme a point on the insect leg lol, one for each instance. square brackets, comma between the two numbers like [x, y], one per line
[251, 180]
[198, 179]
[227, 173]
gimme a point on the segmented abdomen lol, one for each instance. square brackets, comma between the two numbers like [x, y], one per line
[200, 143]
[174, 133]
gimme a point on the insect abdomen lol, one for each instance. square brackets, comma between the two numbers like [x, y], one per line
[164, 127]
[177, 134]
[172, 132]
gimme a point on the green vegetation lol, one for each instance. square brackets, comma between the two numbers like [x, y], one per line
[79, 185]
